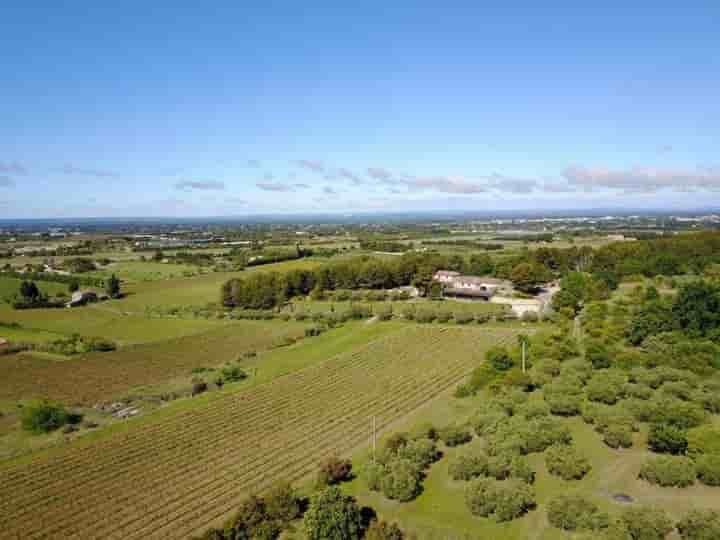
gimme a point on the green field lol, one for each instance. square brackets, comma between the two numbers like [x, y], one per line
[10, 287]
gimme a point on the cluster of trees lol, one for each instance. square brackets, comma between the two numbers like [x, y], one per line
[577, 513]
[385, 246]
[53, 277]
[328, 514]
[79, 265]
[398, 469]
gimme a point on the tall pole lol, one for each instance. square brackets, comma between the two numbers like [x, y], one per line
[523, 355]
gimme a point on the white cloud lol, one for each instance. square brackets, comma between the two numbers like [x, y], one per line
[643, 179]
[207, 185]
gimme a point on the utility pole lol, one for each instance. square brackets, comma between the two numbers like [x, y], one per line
[523, 355]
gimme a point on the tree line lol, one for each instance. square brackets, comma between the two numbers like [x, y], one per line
[528, 269]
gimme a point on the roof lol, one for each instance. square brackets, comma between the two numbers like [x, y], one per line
[447, 273]
[476, 280]
[3, 341]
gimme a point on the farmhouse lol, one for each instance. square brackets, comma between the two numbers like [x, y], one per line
[457, 284]
[80, 298]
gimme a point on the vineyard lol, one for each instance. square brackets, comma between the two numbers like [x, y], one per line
[174, 477]
[99, 376]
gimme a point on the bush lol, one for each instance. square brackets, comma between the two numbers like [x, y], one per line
[332, 516]
[232, 374]
[564, 404]
[43, 417]
[667, 439]
[708, 469]
[682, 414]
[421, 452]
[700, 525]
[443, 316]
[575, 512]
[486, 423]
[499, 358]
[468, 466]
[425, 316]
[424, 431]
[606, 387]
[618, 436]
[503, 500]
[401, 481]
[533, 409]
[703, 440]
[199, 387]
[454, 435]
[463, 317]
[646, 523]
[566, 462]
[381, 530]
[282, 503]
[669, 471]
[373, 474]
[333, 471]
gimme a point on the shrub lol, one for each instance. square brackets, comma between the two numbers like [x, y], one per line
[443, 316]
[533, 409]
[618, 436]
[667, 439]
[232, 374]
[499, 358]
[564, 404]
[703, 440]
[700, 525]
[606, 387]
[503, 500]
[333, 471]
[199, 387]
[683, 414]
[381, 530]
[425, 316]
[468, 466]
[486, 423]
[332, 516]
[666, 471]
[463, 317]
[708, 469]
[43, 417]
[422, 452]
[638, 391]
[646, 523]
[521, 469]
[566, 462]
[454, 435]
[424, 431]
[282, 503]
[401, 481]
[575, 512]
[373, 474]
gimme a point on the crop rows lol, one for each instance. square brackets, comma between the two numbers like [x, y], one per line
[175, 476]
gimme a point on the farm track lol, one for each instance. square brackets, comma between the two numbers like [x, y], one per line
[176, 476]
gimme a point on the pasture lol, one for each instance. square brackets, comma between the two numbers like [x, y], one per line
[174, 473]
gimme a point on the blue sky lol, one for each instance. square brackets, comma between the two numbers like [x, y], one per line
[235, 108]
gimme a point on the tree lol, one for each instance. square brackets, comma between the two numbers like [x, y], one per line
[282, 503]
[29, 291]
[331, 515]
[504, 500]
[43, 417]
[697, 308]
[646, 523]
[669, 471]
[112, 287]
[566, 462]
[667, 439]
[333, 471]
[700, 525]
[574, 512]
[708, 469]
[499, 358]
[402, 480]
[73, 286]
[381, 530]
[527, 277]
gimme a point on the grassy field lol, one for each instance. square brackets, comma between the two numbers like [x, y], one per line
[10, 286]
[133, 271]
[175, 473]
